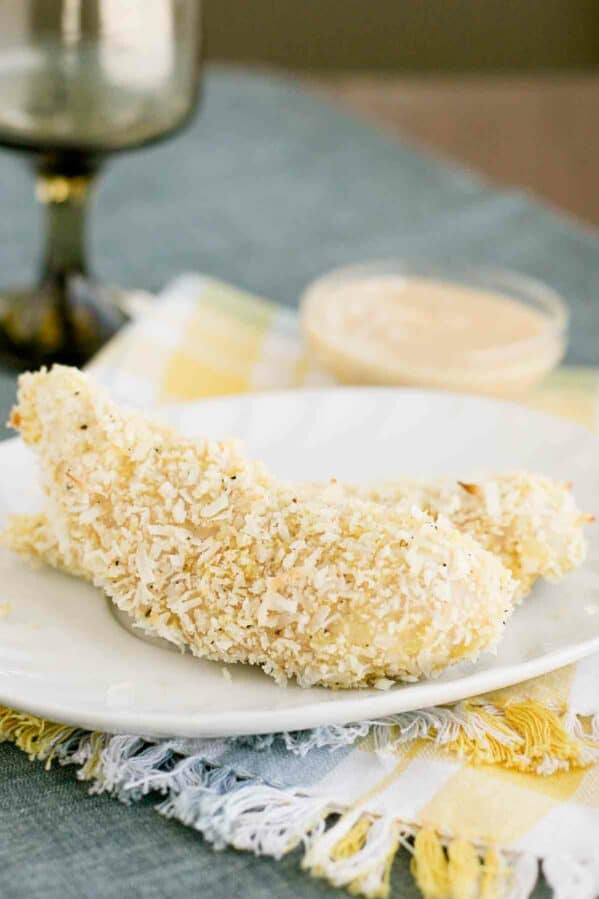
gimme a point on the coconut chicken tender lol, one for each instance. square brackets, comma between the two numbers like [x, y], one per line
[531, 522]
[203, 547]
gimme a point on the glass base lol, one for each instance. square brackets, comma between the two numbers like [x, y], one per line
[64, 321]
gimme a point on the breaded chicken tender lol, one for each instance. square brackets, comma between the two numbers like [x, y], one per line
[205, 548]
[531, 522]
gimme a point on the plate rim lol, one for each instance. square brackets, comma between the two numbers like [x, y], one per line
[362, 389]
[330, 713]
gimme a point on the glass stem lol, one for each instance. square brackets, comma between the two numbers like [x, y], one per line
[65, 198]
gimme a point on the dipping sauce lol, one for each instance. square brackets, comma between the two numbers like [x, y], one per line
[377, 327]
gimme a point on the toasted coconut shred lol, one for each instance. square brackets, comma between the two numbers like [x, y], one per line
[531, 522]
[203, 547]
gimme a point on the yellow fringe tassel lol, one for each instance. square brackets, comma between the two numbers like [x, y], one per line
[519, 735]
[429, 865]
[353, 840]
[493, 874]
[38, 738]
[463, 870]
[456, 873]
[543, 733]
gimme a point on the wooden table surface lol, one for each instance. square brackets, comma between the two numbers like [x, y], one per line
[540, 133]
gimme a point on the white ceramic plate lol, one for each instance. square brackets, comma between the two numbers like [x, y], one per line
[63, 654]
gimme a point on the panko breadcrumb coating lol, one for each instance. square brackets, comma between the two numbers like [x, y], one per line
[204, 548]
[530, 521]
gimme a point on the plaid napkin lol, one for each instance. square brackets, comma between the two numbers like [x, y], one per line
[477, 792]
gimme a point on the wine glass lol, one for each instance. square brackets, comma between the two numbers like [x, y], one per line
[79, 81]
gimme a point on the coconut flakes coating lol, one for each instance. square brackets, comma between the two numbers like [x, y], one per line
[530, 521]
[203, 547]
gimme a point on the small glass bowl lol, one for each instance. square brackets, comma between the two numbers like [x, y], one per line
[347, 335]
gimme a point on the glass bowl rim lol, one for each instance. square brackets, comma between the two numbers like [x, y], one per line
[533, 292]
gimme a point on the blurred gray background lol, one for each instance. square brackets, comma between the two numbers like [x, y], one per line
[406, 35]
[507, 87]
